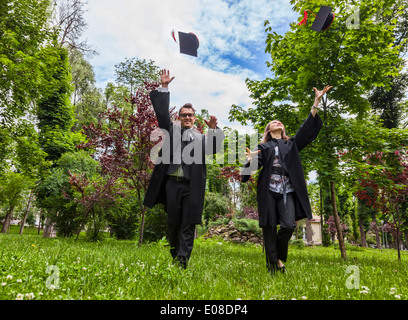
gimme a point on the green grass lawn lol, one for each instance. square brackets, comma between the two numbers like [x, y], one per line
[112, 270]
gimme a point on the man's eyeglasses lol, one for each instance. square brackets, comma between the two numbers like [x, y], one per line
[185, 115]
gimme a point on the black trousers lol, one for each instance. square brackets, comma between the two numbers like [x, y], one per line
[180, 233]
[276, 243]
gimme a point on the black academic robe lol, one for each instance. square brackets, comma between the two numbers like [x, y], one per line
[290, 160]
[210, 143]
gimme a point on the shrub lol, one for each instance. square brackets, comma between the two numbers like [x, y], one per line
[214, 204]
[155, 227]
[326, 238]
[248, 225]
[298, 243]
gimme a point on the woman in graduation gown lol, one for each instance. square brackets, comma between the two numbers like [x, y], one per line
[281, 187]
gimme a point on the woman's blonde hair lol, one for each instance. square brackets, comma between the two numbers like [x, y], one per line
[267, 136]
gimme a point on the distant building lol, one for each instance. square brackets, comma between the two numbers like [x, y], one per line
[312, 231]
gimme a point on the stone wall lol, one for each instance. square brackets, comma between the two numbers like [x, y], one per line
[229, 232]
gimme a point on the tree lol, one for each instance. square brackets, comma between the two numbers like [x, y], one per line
[28, 159]
[27, 62]
[133, 73]
[24, 60]
[353, 61]
[56, 113]
[68, 19]
[332, 227]
[116, 95]
[122, 145]
[55, 195]
[389, 102]
[233, 175]
[86, 98]
[95, 197]
[12, 188]
[387, 189]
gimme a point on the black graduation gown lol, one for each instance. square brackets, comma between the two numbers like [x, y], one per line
[290, 158]
[155, 193]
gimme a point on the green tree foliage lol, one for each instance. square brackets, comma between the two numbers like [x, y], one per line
[389, 102]
[56, 113]
[12, 188]
[25, 62]
[55, 195]
[215, 204]
[86, 97]
[155, 224]
[133, 73]
[27, 158]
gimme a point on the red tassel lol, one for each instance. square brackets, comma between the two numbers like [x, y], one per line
[173, 35]
[304, 21]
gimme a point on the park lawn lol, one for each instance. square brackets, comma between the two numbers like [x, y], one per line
[32, 267]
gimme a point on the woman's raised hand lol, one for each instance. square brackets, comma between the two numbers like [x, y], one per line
[320, 93]
[250, 154]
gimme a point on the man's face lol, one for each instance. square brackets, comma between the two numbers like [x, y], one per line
[187, 118]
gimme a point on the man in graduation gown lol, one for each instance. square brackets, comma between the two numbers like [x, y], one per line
[179, 178]
[281, 187]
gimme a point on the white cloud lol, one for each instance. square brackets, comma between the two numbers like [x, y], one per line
[231, 34]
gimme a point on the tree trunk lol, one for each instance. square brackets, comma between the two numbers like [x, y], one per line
[7, 220]
[337, 221]
[49, 228]
[309, 232]
[377, 233]
[398, 244]
[142, 225]
[46, 232]
[321, 213]
[143, 212]
[26, 212]
[297, 231]
[398, 224]
[39, 223]
[362, 232]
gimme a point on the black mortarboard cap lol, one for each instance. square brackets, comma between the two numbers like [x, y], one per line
[323, 19]
[188, 43]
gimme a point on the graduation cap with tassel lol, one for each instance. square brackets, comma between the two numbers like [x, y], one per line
[322, 21]
[188, 42]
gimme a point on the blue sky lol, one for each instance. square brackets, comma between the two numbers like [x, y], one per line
[232, 43]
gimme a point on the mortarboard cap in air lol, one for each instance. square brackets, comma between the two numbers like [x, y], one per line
[323, 19]
[188, 43]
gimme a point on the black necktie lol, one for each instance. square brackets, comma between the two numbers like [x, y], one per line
[186, 169]
[184, 142]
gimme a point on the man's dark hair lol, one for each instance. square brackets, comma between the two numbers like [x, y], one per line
[188, 106]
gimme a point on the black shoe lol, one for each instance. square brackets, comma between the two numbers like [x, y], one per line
[272, 268]
[182, 262]
[282, 269]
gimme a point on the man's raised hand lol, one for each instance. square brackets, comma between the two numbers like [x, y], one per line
[212, 123]
[165, 78]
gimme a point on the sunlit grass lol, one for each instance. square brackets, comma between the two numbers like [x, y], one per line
[217, 270]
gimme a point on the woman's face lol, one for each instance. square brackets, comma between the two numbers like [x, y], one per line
[276, 125]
